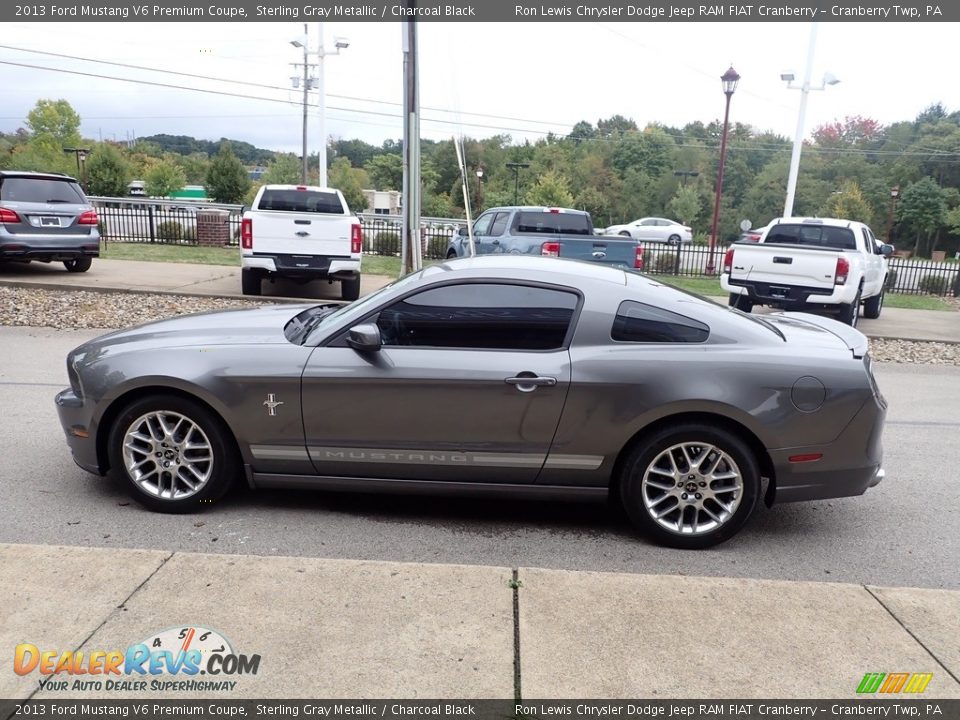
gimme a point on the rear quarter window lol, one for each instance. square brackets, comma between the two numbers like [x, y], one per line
[302, 201]
[640, 323]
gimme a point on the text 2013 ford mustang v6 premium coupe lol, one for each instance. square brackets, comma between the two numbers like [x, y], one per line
[517, 376]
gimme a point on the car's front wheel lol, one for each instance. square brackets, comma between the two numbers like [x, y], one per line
[624, 233]
[874, 305]
[673, 240]
[81, 264]
[691, 486]
[174, 454]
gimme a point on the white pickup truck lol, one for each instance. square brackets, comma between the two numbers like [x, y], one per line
[303, 233]
[820, 264]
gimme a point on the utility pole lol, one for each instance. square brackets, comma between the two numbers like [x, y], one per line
[304, 175]
[517, 167]
[411, 255]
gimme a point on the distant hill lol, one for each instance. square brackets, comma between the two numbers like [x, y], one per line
[186, 145]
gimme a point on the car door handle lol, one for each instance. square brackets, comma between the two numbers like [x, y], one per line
[530, 382]
[494, 242]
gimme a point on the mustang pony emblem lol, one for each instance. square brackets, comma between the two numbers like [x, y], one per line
[272, 403]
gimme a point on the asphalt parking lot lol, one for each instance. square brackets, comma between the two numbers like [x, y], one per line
[902, 533]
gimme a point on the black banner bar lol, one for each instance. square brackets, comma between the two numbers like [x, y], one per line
[476, 10]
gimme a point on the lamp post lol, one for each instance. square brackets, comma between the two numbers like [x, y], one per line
[729, 79]
[804, 89]
[306, 89]
[684, 174]
[517, 167]
[81, 154]
[479, 188]
[894, 194]
[339, 43]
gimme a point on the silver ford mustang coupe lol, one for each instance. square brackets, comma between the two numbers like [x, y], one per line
[522, 377]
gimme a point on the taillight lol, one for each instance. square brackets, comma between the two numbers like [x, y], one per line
[246, 234]
[843, 270]
[638, 258]
[8, 216]
[728, 261]
[88, 218]
[356, 238]
[550, 249]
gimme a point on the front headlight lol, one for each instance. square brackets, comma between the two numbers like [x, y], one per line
[73, 375]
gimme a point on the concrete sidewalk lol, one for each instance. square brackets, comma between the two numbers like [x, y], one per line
[355, 629]
[224, 281]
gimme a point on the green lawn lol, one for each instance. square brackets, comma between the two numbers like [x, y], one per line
[390, 266]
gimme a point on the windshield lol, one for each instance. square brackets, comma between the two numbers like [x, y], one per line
[349, 313]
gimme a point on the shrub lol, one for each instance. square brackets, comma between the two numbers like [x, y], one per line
[170, 230]
[701, 239]
[437, 247]
[102, 228]
[891, 280]
[664, 263]
[933, 284]
[386, 243]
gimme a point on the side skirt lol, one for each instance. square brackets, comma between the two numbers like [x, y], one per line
[426, 487]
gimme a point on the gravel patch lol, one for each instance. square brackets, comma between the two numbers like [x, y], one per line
[77, 309]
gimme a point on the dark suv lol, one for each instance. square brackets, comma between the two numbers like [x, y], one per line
[46, 217]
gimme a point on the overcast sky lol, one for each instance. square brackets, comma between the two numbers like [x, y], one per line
[524, 79]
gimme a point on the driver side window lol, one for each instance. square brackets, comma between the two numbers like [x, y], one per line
[482, 225]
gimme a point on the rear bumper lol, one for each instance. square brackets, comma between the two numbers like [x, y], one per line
[788, 296]
[303, 266]
[48, 251]
[849, 466]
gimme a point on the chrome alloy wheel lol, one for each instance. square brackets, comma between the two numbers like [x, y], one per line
[167, 455]
[692, 488]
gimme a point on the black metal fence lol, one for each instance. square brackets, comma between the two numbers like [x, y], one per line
[174, 222]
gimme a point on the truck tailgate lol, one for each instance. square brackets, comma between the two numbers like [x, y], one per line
[785, 264]
[612, 250]
[293, 233]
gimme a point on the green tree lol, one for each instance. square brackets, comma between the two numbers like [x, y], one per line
[164, 178]
[386, 172]
[108, 174]
[54, 123]
[286, 169]
[848, 204]
[685, 205]
[922, 210]
[350, 181]
[227, 178]
[551, 190]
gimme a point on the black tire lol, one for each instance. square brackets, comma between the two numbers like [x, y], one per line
[350, 289]
[873, 306]
[451, 254]
[81, 264]
[850, 314]
[741, 302]
[673, 240]
[250, 281]
[624, 233]
[206, 429]
[639, 501]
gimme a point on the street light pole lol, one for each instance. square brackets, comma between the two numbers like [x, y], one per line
[81, 155]
[730, 79]
[306, 90]
[804, 89]
[479, 188]
[684, 174]
[894, 194]
[516, 167]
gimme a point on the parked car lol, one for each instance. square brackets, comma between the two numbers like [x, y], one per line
[549, 231]
[303, 233]
[823, 264]
[46, 217]
[653, 229]
[508, 376]
[753, 234]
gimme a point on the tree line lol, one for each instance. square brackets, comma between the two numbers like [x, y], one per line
[612, 168]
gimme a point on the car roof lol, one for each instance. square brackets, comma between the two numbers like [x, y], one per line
[537, 208]
[32, 174]
[829, 222]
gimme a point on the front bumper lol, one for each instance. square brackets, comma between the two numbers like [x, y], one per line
[81, 438]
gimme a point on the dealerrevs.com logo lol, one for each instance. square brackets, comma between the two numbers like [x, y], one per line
[894, 683]
[177, 659]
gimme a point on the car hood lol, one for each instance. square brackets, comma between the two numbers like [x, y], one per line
[225, 327]
[816, 331]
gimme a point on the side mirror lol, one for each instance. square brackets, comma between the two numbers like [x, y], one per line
[462, 232]
[886, 250]
[364, 338]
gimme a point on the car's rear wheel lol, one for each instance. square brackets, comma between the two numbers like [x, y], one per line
[250, 282]
[691, 486]
[741, 302]
[623, 233]
[850, 314]
[174, 454]
[81, 264]
[873, 306]
[350, 289]
[673, 240]
[451, 254]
